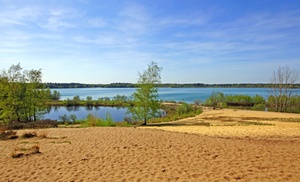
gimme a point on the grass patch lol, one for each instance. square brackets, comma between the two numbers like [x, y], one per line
[93, 121]
[20, 152]
[177, 111]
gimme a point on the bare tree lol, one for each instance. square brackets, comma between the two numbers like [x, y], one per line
[283, 80]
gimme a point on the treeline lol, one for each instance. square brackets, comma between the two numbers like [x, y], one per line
[283, 103]
[83, 85]
[116, 101]
[163, 85]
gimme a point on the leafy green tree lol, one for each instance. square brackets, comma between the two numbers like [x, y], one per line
[146, 103]
[55, 95]
[89, 101]
[184, 108]
[76, 100]
[215, 98]
[23, 96]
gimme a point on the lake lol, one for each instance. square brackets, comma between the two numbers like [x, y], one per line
[171, 94]
[165, 94]
[81, 112]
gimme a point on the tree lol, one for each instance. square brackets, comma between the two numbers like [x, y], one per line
[89, 101]
[76, 100]
[22, 95]
[55, 95]
[146, 103]
[280, 94]
[215, 98]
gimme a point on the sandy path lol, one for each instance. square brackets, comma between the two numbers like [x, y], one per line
[138, 154]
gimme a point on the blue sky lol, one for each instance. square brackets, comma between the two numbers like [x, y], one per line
[195, 41]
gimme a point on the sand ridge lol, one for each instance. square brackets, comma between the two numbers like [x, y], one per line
[151, 154]
[239, 123]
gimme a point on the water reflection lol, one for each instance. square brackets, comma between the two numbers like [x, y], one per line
[54, 112]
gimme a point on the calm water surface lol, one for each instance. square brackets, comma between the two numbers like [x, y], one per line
[166, 94]
[81, 112]
[174, 94]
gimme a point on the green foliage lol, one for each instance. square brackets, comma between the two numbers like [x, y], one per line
[214, 98]
[64, 118]
[73, 118]
[22, 95]
[93, 121]
[197, 102]
[177, 112]
[55, 95]
[89, 101]
[218, 99]
[76, 100]
[184, 109]
[259, 107]
[145, 100]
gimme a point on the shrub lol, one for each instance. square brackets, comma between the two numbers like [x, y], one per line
[47, 123]
[29, 135]
[73, 117]
[108, 120]
[92, 120]
[221, 105]
[64, 118]
[259, 107]
[184, 108]
[8, 135]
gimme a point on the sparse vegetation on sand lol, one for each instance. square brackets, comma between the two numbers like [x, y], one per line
[29, 134]
[20, 152]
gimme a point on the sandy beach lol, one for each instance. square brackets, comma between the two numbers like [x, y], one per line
[234, 147]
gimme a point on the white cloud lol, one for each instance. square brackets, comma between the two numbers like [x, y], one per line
[133, 19]
[19, 16]
[97, 22]
[61, 18]
[55, 23]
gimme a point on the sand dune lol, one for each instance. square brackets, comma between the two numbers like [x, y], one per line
[148, 154]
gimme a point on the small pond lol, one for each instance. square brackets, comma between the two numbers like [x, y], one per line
[81, 112]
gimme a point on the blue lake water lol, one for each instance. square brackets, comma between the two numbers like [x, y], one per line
[174, 94]
[165, 94]
[81, 112]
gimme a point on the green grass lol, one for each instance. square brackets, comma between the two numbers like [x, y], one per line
[93, 121]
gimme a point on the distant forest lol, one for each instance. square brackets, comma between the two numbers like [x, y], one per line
[163, 85]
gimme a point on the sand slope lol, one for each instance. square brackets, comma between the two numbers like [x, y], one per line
[143, 154]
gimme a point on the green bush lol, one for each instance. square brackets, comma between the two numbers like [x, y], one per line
[184, 108]
[259, 107]
[92, 121]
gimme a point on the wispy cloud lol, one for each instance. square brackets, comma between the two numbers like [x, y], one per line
[19, 16]
[61, 18]
[97, 22]
[133, 19]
